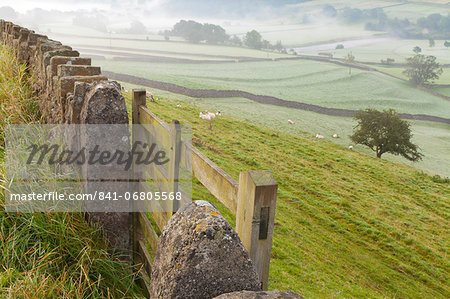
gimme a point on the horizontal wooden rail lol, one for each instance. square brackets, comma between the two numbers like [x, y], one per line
[215, 179]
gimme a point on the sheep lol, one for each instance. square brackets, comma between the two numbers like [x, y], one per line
[319, 136]
[208, 116]
[179, 105]
[350, 147]
[335, 136]
[148, 95]
[290, 122]
[218, 113]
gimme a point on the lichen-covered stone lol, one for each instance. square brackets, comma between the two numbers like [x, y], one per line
[104, 104]
[260, 295]
[199, 255]
[78, 70]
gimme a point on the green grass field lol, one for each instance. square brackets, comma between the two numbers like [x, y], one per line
[444, 91]
[305, 81]
[398, 72]
[395, 49]
[176, 47]
[347, 225]
[433, 138]
[414, 11]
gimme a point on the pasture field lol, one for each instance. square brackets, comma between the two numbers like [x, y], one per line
[307, 34]
[444, 91]
[433, 138]
[311, 82]
[397, 49]
[174, 47]
[398, 72]
[71, 30]
[394, 9]
[414, 11]
[347, 225]
[294, 34]
[110, 53]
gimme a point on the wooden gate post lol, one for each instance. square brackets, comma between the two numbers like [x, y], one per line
[138, 99]
[174, 163]
[140, 255]
[255, 216]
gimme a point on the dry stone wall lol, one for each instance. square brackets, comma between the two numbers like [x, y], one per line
[71, 91]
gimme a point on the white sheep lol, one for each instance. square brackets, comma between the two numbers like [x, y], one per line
[350, 147]
[319, 136]
[148, 95]
[207, 115]
[218, 113]
[179, 105]
[335, 136]
[290, 122]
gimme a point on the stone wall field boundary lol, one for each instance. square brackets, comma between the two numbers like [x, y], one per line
[69, 88]
[213, 93]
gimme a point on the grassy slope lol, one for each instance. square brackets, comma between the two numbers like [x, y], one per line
[444, 78]
[348, 225]
[398, 49]
[49, 255]
[433, 138]
[444, 91]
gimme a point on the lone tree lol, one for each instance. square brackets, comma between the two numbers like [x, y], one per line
[447, 44]
[350, 59]
[384, 132]
[417, 49]
[422, 69]
[431, 42]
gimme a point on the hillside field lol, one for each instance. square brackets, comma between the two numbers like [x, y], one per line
[398, 49]
[311, 82]
[347, 225]
[398, 72]
[433, 138]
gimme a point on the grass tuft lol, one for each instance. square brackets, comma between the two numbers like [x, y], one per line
[49, 255]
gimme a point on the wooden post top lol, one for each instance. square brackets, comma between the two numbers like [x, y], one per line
[262, 178]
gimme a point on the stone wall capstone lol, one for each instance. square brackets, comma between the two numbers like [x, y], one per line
[199, 255]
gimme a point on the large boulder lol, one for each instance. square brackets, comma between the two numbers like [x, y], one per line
[199, 255]
[260, 295]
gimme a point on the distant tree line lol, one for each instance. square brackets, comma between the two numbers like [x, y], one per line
[434, 25]
[356, 15]
[195, 32]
